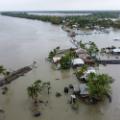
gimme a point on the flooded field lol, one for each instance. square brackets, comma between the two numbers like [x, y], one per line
[23, 41]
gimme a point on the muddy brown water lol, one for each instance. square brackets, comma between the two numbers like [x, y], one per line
[23, 41]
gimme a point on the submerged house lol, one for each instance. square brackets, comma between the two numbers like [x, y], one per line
[116, 51]
[87, 59]
[56, 59]
[77, 62]
[81, 90]
[88, 72]
[82, 53]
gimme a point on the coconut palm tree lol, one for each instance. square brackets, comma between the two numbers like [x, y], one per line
[35, 89]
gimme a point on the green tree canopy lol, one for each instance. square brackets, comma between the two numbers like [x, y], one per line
[99, 85]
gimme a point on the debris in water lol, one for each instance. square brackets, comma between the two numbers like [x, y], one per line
[66, 90]
[37, 114]
[58, 94]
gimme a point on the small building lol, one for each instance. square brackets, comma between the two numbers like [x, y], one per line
[76, 88]
[82, 53]
[77, 62]
[116, 51]
[86, 73]
[87, 58]
[90, 70]
[74, 26]
[56, 59]
[96, 27]
[87, 27]
[83, 90]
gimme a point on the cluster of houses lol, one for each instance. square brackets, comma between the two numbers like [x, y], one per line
[81, 59]
[113, 50]
[81, 90]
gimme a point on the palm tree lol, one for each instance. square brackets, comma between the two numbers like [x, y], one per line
[34, 90]
[53, 53]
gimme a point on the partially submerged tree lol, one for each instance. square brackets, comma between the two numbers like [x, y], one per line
[82, 45]
[53, 53]
[81, 71]
[92, 49]
[65, 62]
[99, 85]
[2, 70]
[35, 89]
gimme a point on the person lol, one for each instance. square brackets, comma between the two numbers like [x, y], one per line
[73, 98]
[48, 90]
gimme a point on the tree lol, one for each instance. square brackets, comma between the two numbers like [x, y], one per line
[53, 53]
[65, 61]
[93, 49]
[35, 89]
[2, 70]
[82, 45]
[99, 85]
[81, 71]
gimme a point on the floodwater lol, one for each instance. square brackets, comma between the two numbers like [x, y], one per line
[23, 41]
[59, 13]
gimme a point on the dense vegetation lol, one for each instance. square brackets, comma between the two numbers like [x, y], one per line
[53, 19]
[81, 71]
[90, 47]
[99, 85]
[66, 60]
[3, 71]
[102, 19]
[53, 53]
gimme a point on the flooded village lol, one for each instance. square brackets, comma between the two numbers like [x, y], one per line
[58, 71]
